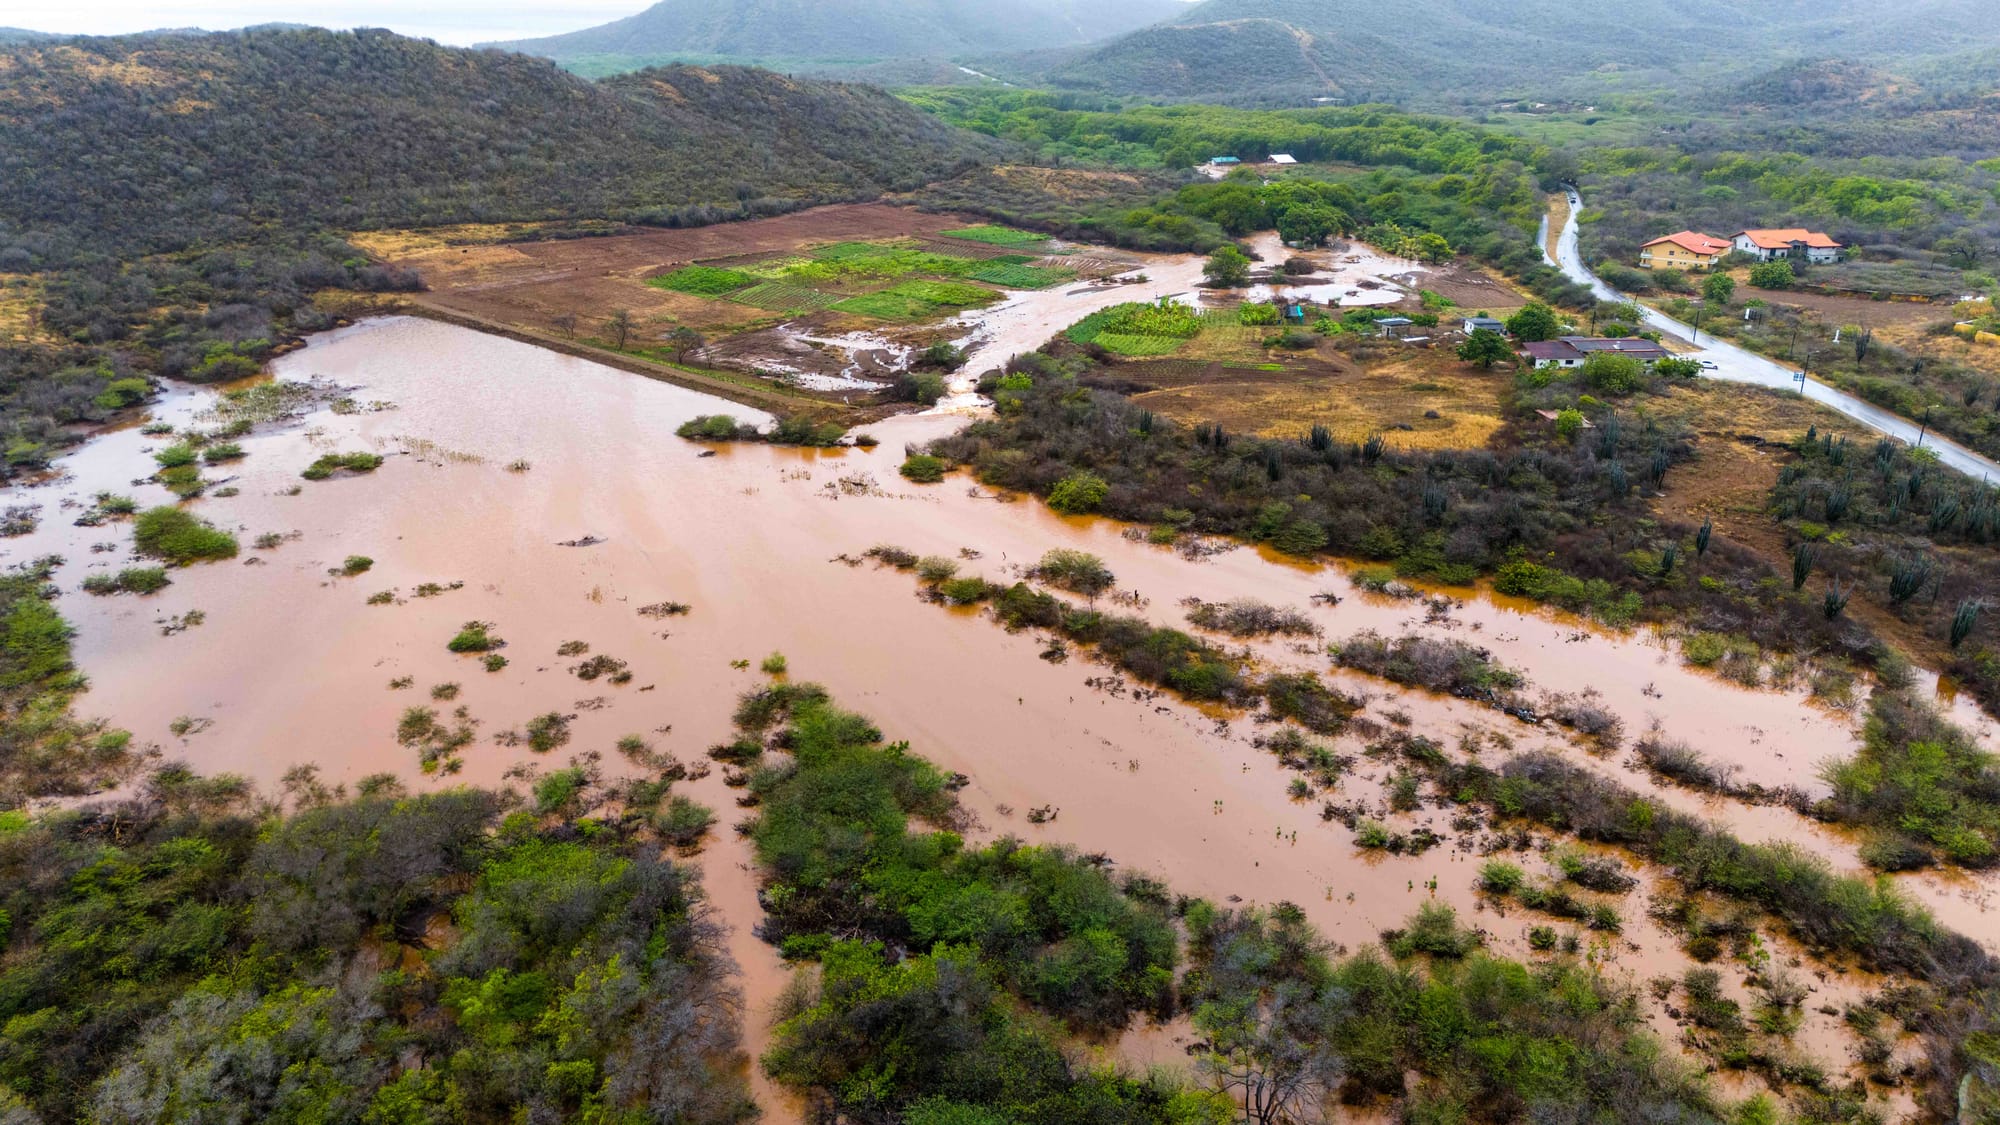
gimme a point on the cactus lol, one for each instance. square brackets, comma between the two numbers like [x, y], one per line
[1702, 537]
[1667, 559]
[1909, 578]
[1321, 439]
[1802, 565]
[1373, 448]
[1838, 499]
[1146, 422]
[1963, 621]
[1835, 601]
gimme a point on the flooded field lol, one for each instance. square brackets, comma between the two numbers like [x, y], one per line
[501, 455]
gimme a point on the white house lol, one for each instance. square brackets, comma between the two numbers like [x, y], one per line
[1807, 245]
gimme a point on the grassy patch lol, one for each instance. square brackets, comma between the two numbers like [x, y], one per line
[179, 537]
[997, 235]
[912, 300]
[702, 281]
[131, 580]
[1011, 275]
[329, 464]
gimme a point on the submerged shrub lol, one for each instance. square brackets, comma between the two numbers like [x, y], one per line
[180, 537]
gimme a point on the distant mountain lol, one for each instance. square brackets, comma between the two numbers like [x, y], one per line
[1429, 50]
[845, 31]
[152, 143]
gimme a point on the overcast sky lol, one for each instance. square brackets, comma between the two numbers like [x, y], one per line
[447, 21]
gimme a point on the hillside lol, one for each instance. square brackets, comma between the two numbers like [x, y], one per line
[845, 31]
[1277, 51]
[146, 144]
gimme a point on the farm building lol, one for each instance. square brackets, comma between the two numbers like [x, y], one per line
[1283, 158]
[1688, 250]
[1488, 323]
[1393, 325]
[1571, 351]
[1797, 242]
[1224, 161]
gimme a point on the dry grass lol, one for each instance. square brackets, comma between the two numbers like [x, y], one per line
[20, 301]
[400, 243]
[1392, 393]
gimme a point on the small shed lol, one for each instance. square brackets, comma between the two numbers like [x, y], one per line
[1223, 161]
[1393, 325]
[1283, 158]
[1488, 323]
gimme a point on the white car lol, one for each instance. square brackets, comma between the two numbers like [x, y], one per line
[1709, 365]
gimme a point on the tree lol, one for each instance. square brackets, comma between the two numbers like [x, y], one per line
[565, 323]
[1674, 367]
[1227, 268]
[618, 326]
[1535, 323]
[1962, 250]
[1485, 347]
[685, 340]
[1773, 275]
[1613, 373]
[1718, 289]
[1433, 248]
[1308, 224]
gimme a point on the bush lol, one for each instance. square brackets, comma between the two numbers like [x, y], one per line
[923, 469]
[1078, 493]
[180, 537]
[1773, 275]
[715, 427]
[331, 463]
[1079, 572]
[474, 636]
[682, 823]
[222, 451]
[131, 580]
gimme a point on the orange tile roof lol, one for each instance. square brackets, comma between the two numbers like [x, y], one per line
[1779, 239]
[1695, 241]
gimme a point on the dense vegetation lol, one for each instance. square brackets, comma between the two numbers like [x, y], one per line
[188, 953]
[1288, 51]
[44, 750]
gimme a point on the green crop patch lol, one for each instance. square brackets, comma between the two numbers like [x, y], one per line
[784, 297]
[1011, 275]
[1121, 343]
[702, 281]
[997, 236]
[911, 300]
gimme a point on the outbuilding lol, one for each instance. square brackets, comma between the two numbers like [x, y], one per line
[1487, 323]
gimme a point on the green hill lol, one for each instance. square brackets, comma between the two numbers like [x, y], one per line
[1284, 51]
[144, 144]
[810, 34]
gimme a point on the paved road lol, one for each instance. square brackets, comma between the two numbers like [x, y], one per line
[1739, 365]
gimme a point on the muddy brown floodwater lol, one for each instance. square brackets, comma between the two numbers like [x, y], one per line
[293, 666]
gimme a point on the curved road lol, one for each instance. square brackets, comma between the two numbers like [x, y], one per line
[1739, 365]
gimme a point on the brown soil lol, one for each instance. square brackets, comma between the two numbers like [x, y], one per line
[526, 285]
[1834, 310]
[1472, 289]
[1558, 218]
[1394, 391]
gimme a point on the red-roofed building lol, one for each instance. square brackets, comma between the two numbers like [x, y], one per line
[1797, 242]
[1688, 250]
[1571, 351]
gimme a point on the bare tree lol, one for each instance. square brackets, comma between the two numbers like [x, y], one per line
[618, 326]
[684, 341]
[565, 323]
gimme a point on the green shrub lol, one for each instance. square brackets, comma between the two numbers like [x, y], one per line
[474, 636]
[715, 427]
[1078, 493]
[180, 537]
[222, 451]
[356, 564]
[175, 456]
[923, 469]
[331, 463]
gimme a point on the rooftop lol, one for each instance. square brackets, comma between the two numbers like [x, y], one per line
[1780, 239]
[1695, 241]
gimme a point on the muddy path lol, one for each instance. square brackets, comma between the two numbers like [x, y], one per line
[292, 665]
